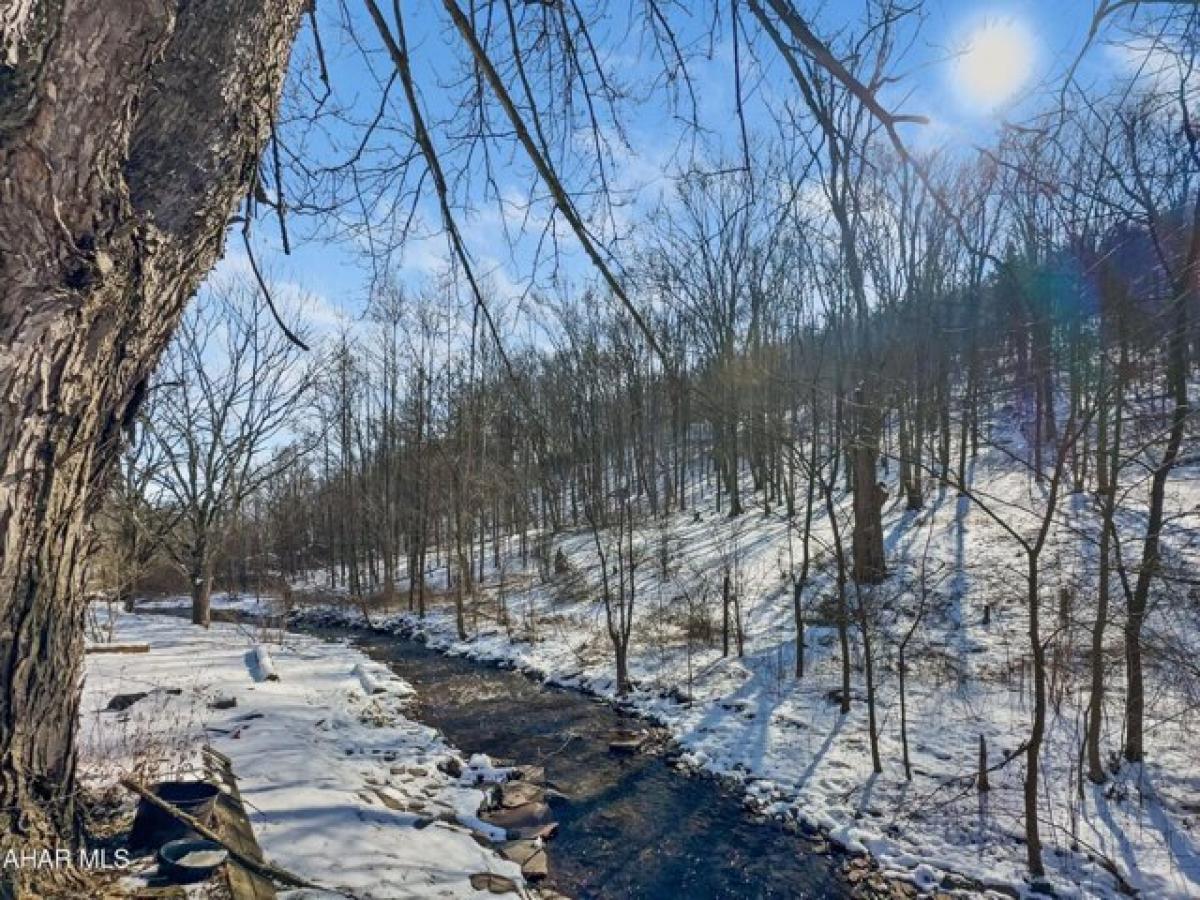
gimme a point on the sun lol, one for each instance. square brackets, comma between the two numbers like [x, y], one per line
[996, 61]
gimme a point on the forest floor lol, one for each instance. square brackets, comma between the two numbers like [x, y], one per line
[340, 786]
[956, 574]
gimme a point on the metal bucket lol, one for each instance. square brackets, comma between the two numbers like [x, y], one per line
[153, 827]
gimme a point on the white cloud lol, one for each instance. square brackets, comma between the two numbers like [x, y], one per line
[1157, 63]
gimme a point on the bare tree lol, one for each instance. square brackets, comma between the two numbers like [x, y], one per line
[138, 527]
[228, 388]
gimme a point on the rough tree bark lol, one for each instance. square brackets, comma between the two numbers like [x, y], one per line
[200, 578]
[129, 129]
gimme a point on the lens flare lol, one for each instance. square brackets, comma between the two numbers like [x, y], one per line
[996, 61]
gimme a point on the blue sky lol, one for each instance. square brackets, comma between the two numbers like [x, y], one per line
[332, 274]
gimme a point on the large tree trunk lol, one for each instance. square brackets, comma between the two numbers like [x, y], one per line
[201, 578]
[621, 651]
[128, 132]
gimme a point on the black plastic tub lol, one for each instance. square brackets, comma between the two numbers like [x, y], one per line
[153, 827]
[174, 865]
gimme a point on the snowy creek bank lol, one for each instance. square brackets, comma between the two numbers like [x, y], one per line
[629, 824]
[343, 786]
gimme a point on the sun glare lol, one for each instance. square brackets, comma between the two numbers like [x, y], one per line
[996, 61]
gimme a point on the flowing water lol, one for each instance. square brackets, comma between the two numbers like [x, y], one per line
[630, 826]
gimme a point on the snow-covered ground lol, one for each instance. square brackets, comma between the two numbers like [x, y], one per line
[341, 787]
[968, 677]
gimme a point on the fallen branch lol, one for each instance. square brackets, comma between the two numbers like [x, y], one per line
[969, 782]
[265, 869]
[117, 648]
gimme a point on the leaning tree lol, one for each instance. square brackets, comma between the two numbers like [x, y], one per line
[129, 131]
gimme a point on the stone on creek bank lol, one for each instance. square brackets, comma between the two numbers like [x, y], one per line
[543, 832]
[398, 803]
[530, 815]
[535, 774]
[494, 884]
[520, 807]
[530, 856]
[626, 741]
[867, 882]
[520, 793]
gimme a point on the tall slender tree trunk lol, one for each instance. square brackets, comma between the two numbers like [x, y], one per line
[842, 613]
[1151, 547]
[867, 536]
[910, 473]
[1037, 732]
[801, 581]
[869, 670]
[725, 600]
[1108, 456]
[128, 132]
[462, 583]
[1037, 648]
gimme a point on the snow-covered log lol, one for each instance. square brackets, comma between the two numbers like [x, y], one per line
[377, 680]
[370, 684]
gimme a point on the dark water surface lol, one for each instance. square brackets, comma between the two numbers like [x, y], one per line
[630, 826]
